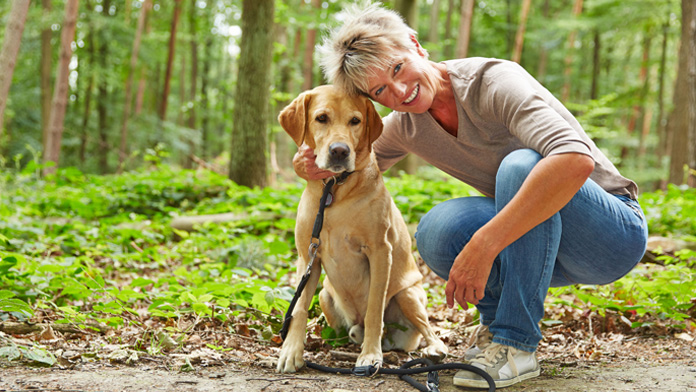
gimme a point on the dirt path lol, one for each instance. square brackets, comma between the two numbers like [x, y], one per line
[635, 376]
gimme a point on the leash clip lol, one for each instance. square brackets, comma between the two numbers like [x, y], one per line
[365, 371]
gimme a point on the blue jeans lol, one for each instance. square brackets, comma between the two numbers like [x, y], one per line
[596, 238]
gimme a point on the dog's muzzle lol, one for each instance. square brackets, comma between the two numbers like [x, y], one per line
[338, 155]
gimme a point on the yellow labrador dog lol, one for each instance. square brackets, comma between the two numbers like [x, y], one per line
[372, 280]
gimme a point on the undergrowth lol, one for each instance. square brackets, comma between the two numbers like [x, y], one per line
[86, 249]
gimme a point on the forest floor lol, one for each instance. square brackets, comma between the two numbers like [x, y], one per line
[580, 351]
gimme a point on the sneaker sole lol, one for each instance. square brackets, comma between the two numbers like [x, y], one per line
[498, 383]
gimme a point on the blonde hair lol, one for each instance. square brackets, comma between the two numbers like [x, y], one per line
[351, 52]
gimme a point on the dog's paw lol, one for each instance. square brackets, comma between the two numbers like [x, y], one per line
[367, 359]
[436, 351]
[290, 359]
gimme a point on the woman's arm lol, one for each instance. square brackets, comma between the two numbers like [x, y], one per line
[547, 189]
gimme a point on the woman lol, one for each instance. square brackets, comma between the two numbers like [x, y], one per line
[556, 211]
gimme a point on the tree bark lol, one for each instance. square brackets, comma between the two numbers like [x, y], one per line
[249, 133]
[577, 10]
[60, 91]
[683, 117]
[123, 149]
[596, 51]
[467, 19]
[308, 62]
[448, 53]
[10, 49]
[519, 37]
[170, 61]
[103, 145]
[661, 126]
[433, 32]
[543, 53]
[46, 61]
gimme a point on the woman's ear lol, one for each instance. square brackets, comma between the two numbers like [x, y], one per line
[419, 49]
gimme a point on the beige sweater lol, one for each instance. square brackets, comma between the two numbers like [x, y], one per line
[501, 108]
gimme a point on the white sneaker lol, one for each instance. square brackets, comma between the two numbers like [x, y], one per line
[506, 365]
[478, 342]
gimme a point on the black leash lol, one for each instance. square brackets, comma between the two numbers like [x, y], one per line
[404, 372]
[326, 200]
[432, 384]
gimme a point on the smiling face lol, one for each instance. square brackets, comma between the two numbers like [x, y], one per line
[404, 85]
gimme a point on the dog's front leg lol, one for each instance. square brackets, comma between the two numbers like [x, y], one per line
[380, 258]
[290, 359]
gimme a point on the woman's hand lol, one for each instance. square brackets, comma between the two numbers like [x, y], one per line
[469, 275]
[306, 167]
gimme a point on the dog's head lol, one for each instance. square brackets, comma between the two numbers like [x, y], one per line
[338, 127]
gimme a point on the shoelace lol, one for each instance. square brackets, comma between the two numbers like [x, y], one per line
[493, 354]
[480, 338]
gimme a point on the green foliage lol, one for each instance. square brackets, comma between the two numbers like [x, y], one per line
[92, 248]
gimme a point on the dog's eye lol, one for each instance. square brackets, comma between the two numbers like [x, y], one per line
[322, 118]
[354, 121]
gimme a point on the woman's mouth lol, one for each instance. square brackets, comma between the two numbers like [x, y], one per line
[413, 95]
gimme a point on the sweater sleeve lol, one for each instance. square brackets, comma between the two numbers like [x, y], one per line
[532, 114]
[388, 147]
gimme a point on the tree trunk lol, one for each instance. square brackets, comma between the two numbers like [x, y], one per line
[249, 134]
[103, 145]
[10, 48]
[123, 149]
[409, 11]
[89, 42]
[448, 53]
[170, 61]
[519, 38]
[467, 19]
[434, 24]
[205, 109]
[60, 90]
[46, 61]
[639, 108]
[543, 53]
[683, 117]
[577, 10]
[308, 62]
[661, 126]
[596, 50]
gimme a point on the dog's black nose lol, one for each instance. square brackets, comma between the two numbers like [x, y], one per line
[339, 151]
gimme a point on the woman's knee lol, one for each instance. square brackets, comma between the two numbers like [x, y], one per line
[447, 227]
[515, 168]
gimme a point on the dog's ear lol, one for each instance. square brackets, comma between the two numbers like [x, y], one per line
[294, 119]
[374, 122]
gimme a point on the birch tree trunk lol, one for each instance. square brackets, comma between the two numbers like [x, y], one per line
[10, 48]
[60, 90]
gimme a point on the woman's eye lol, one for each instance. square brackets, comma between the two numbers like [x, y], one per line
[322, 118]
[379, 91]
[354, 121]
[397, 68]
